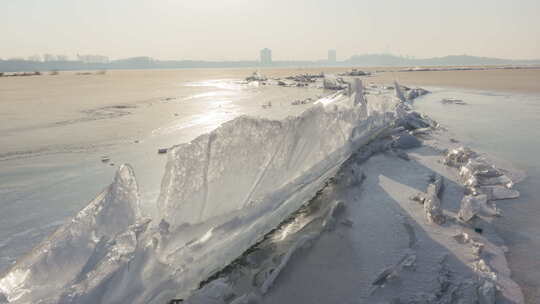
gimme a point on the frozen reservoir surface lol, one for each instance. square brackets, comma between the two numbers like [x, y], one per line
[506, 126]
[50, 160]
[220, 193]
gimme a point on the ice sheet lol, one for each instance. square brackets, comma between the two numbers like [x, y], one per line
[220, 194]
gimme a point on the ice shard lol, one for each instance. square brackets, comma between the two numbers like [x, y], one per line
[249, 160]
[72, 251]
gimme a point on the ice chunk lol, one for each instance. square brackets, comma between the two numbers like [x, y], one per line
[433, 209]
[462, 238]
[248, 160]
[478, 173]
[359, 89]
[458, 157]
[473, 205]
[453, 101]
[498, 192]
[331, 82]
[432, 203]
[415, 93]
[256, 76]
[470, 206]
[74, 247]
[413, 121]
[399, 92]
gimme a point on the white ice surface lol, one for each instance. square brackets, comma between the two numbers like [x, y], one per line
[220, 194]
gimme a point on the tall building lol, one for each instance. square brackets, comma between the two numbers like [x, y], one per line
[93, 58]
[332, 57]
[266, 56]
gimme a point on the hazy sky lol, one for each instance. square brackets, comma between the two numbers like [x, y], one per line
[293, 29]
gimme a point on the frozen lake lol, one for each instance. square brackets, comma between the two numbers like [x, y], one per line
[506, 126]
[53, 138]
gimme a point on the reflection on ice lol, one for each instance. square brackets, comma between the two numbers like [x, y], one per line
[329, 99]
[10, 283]
[212, 94]
[227, 84]
[208, 120]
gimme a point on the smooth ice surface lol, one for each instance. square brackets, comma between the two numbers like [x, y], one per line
[506, 125]
[220, 194]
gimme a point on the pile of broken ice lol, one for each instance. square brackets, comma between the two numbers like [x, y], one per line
[221, 193]
[483, 182]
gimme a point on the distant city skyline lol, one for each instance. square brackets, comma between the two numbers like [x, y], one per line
[293, 30]
[264, 57]
[92, 62]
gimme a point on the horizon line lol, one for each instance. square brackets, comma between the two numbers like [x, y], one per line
[406, 57]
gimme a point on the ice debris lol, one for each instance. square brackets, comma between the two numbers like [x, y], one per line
[458, 157]
[414, 121]
[357, 87]
[480, 177]
[453, 101]
[355, 73]
[306, 77]
[331, 82]
[475, 205]
[258, 161]
[432, 202]
[220, 194]
[256, 76]
[399, 92]
[498, 192]
[462, 238]
[415, 93]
